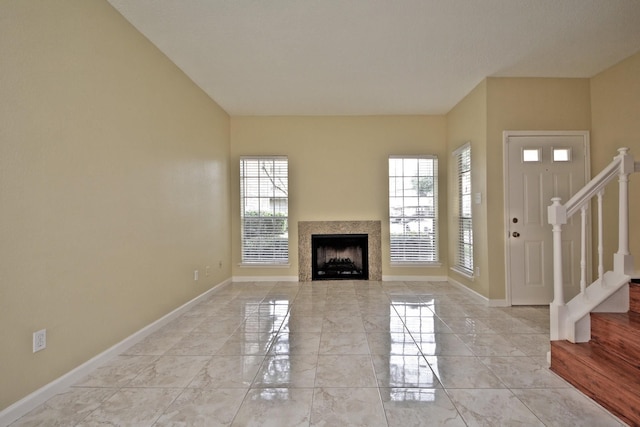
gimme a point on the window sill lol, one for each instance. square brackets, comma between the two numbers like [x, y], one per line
[260, 265]
[416, 264]
[463, 273]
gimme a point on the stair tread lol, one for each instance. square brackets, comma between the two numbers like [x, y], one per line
[605, 378]
[622, 326]
[608, 367]
[629, 317]
[634, 297]
[598, 359]
[619, 334]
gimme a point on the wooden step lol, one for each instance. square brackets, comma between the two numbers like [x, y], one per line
[618, 333]
[634, 297]
[612, 383]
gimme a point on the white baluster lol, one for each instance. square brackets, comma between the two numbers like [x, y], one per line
[600, 242]
[583, 251]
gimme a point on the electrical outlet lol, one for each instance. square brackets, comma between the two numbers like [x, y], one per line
[39, 340]
[477, 272]
[195, 275]
[220, 264]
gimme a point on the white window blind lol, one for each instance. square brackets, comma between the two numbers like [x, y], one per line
[413, 209]
[464, 249]
[264, 210]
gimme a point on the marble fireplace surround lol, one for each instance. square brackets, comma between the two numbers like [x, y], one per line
[308, 228]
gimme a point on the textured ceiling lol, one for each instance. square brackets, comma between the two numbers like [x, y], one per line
[361, 57]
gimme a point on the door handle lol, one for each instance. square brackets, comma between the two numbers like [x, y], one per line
[515, 234]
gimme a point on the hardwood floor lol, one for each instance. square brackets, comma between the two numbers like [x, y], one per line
[607, 368]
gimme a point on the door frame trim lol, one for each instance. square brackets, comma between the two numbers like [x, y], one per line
[505, 187]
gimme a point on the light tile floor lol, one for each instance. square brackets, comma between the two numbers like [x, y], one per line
[341, 353]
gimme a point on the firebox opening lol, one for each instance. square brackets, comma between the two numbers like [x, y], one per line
[340, 256]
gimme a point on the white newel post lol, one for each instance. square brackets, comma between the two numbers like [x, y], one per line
[623, 261]
[557, 216]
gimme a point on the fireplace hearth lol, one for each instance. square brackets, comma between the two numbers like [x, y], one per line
[339, 257]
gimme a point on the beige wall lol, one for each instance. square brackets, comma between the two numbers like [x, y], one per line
[615, 106]
[467, 122]
[338, 171]
[113, 187]
[523, 104]
[496, 105]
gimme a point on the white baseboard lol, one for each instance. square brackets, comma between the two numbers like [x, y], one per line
[30, 402]
[414, 278]
[237, 279]
[469, 290]
[38, 397]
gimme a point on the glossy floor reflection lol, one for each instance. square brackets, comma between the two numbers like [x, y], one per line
[343, 353]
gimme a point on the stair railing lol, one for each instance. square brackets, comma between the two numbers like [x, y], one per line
[570, 321]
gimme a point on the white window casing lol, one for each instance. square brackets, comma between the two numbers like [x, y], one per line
[413, 210]
[464, 212]
[264, 210]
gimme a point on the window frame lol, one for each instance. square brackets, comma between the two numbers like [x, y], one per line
[464, 263]
[268, 206]
[421, 244]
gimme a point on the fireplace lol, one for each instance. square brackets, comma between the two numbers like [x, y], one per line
[306, 229]
[339, 257]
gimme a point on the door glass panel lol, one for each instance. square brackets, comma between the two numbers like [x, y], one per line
[562, 154]
[531, 155]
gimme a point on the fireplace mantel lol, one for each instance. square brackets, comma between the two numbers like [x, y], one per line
[307, 228]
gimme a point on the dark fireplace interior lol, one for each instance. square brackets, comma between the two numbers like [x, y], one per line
[339, 256]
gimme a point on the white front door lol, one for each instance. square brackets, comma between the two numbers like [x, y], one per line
[539, 166]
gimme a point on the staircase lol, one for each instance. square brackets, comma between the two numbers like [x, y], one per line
[595, 336]
[570, 320]
[607, 368]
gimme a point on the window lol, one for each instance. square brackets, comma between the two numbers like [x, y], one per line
[413, 209]
[464, 249]
[562, 154]
[264, 210]
[531, 155]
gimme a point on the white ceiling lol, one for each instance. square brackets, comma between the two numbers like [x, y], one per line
[361, 57]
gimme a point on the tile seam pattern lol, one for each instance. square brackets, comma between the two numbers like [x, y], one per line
[411, 383]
